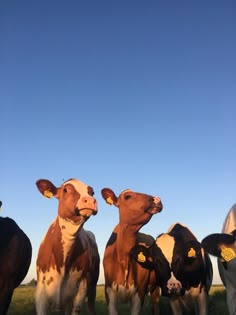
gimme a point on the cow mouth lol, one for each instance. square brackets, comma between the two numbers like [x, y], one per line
[85, 212]
[154, 209]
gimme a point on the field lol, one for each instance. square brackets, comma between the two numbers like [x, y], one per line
[23, 303]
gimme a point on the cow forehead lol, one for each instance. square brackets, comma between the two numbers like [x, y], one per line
[166, 243]
[78, 185]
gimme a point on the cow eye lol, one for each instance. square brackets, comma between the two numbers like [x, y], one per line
[65, 190]
[90, 191]
[127, 197]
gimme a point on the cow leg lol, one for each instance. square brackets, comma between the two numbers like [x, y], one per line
[231, 300]
[41, 302]
[155, 300]
[176, 306]
[136, 304]
[5, 300]
[91, 300]
[79, 298]
[111, 298]
[202, 303]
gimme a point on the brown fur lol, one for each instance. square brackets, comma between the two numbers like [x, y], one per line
[68, 258]
[120, 270]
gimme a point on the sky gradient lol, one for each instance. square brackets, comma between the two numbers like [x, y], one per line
[119, 94]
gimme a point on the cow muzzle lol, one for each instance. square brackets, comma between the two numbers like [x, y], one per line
[155, 207]
[86, 207]
[174, 288]
[85, 212]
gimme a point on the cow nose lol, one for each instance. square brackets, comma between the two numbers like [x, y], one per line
[174, 288]
[157, 202]
[88, 202]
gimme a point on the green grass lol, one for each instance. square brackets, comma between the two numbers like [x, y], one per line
[23, 303]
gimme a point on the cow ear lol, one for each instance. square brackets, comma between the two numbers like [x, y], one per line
[46, 188]
[109, 196]
[142, 255]
[212, 243]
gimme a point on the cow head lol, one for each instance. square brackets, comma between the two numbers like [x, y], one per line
[76, 201]
[134, 208]
[221, 245]
[185, 257]
[177, 260]
[152, 258]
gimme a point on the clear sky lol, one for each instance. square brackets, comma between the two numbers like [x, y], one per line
[119, 94]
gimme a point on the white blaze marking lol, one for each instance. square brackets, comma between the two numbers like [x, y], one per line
[166, 244]
[79, 186]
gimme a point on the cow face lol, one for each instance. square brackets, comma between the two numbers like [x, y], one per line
[184, 255]
[134, 208]
[176, 258]
[76, 201]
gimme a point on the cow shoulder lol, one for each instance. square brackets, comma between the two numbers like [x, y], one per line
[50, 253]
[83, 252]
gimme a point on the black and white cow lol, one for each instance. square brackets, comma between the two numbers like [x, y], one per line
[223, 246]
[183, 269]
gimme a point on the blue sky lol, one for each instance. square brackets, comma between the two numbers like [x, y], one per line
[119, 94]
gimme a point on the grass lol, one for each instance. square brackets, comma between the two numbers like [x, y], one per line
[23, 303]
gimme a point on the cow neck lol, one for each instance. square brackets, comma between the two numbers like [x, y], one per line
[126, 240]
[69, 232]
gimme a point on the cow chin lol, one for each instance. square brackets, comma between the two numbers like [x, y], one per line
[153, 210]
[87, 212]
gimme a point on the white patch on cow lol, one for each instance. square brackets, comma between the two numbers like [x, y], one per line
[85, 201]
[48, 287]
[121, 292]
[79, 186]
[136, 304]
[230, 221]
[166, 244]
[70, 231]
[111, 292]
[173, 283]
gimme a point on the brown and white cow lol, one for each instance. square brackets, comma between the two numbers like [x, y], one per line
[223, 246]
[68, 258]
[125, 279]
[15, 259]
[183, 269]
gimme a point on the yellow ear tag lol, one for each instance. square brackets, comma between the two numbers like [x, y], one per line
[48, 194]
[191, 252]
[227, 253]
[141, 257]
[109, 201]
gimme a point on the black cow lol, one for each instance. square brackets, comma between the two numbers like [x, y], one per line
[183, 269]
[15, 259]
